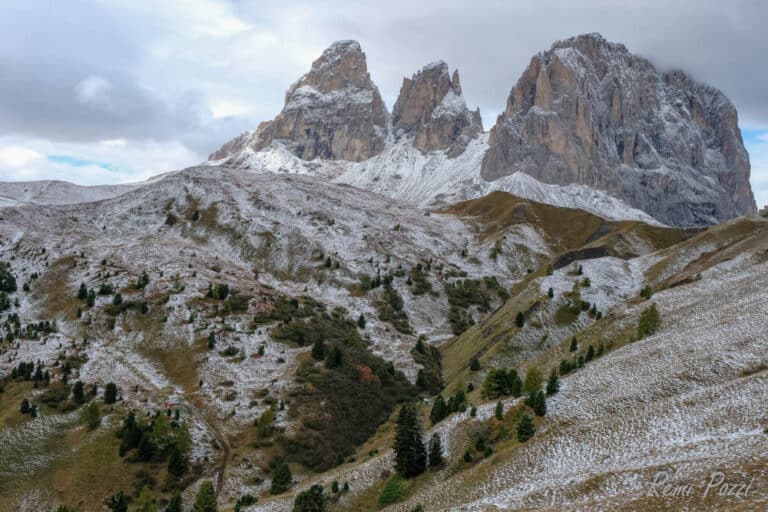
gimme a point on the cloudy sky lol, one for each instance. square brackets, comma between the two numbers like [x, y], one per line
[118, 90]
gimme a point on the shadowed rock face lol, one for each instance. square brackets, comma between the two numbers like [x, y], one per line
[587, 111]
[333, 112]
[432, 110]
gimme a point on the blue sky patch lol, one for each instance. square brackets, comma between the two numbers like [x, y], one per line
[80, 162]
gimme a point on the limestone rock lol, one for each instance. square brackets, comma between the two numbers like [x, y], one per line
[333, 112]
[589, 112]
[432, 110]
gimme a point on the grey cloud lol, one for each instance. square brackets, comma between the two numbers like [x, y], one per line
[720, 43]
[47, 50]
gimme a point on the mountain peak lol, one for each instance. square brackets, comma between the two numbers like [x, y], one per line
[340, 66]
[333, 112]
[588, 111]
[432, 110]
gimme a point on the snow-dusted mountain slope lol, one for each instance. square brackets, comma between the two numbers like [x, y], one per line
[681, 409]
[429, 180]
[53, 192]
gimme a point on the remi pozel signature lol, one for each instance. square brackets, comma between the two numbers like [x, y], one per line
[716, 485]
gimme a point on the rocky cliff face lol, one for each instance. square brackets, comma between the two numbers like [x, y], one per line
[432, 110]
[587, 111]
[333, 112]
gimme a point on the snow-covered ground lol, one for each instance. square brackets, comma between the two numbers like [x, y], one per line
[428, 180]
[690, 397]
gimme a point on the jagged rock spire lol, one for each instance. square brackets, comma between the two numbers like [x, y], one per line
[432, 110]
[333, 112]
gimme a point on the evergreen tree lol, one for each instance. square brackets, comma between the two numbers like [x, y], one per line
[539, 403]
[25, 407]
[435, 450]
[439, 410]
[91, 299]
[211, 341]
[410, 453]
[282, 479]
[551, 293]
[205, 501]
[499, 412]
[590, 353]
[117, 299]
[110, 393]
[361, 321]
[574, 344]
[318, 350]
[130, 434]
[533, 380]
[520, 319]
[421, 379]
[183, 441]
[334, 357]
[311, 500]
[177, 463]
[175, 505]
[117, 503]
[525, 428]
[82, 292]
[145, 450]
[161, 435]
[78, 393]
[553, 383]
[457, 402]
[474, 365]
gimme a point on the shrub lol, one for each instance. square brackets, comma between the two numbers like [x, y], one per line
[501, 382]
[7, 279]
[394, 490]
[421, 284]
[205, 500]
[338, 408]
[91, 416]
[390, 308]
[313, 499]
[281, 476]
[649, 322]
[533, 380]
[460, 320]
[468, 292]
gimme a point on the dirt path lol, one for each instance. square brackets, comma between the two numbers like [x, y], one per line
[220, 439]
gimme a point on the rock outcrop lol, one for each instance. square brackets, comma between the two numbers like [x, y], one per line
[333, 112]
[432, 110]
[589, 112]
